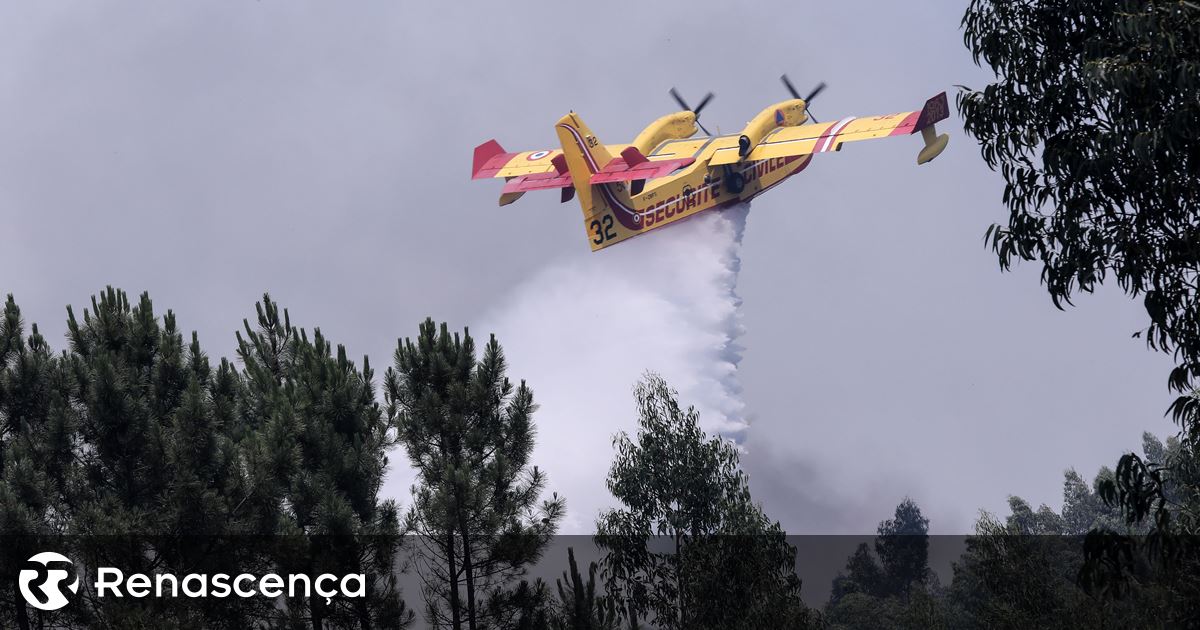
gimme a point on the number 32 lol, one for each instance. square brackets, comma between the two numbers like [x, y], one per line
[604, 231]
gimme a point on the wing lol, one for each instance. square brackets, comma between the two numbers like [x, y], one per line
[695, 148]
[821, 137]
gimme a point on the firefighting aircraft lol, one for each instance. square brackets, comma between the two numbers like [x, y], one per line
[665, 175]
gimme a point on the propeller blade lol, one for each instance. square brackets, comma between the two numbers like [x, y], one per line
[706, 132]
[679, 99]
[704, 101]
[788, 84]
[813, 94]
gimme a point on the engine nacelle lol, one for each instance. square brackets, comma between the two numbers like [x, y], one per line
[675, 126]
[785, 114]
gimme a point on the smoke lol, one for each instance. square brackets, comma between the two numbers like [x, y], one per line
[582, 333]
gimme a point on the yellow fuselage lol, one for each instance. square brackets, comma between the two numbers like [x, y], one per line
[666, 175]
[698, 187]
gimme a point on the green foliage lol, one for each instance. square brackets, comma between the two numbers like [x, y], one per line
[1083, 508]
[862, 576]
[470, 434]
[1012, 578]
[316, 463]
[725, 563]
[1093, 120]
[530, 602]
[131, 443]
[896, 591]
[1156, 498]
[36, 455]
[579, 606]
[862, 611]
[1032, 569]
[919, 610]
[1158, 492]
[903, 548]
[1019, 572]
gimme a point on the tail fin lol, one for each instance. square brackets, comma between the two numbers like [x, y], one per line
[585, 156]
[602, 203]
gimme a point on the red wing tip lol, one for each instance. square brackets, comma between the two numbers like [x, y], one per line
[483, 154]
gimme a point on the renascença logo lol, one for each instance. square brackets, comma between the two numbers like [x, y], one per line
[47, 581]
[42, 587]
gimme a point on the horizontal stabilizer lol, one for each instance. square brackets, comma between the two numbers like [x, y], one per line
[538, 181]
[619, 170]
[489, 159]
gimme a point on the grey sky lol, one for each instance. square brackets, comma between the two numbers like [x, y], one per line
[207, 152]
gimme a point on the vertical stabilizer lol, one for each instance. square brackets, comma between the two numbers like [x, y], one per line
[585, 156]
[608, 210]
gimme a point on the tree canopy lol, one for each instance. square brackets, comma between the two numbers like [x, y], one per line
[1093, 119]
[689, 548]
[136, 449]
[478, 503]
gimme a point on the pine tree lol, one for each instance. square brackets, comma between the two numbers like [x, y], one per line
[155, 462]
[317, 458]
[469, 432]
[36, 458]
[159, 467]
[579, 605]
[124, 434]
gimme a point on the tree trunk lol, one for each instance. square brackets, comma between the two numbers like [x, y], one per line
[364, 615]
[679, 580]
[467, 566]
[22, 612]
[627, 600]
[452, 573]
[316, 603]
[316, 611]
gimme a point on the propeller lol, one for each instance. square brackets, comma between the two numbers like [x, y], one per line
[682, 103]
[807, 99]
